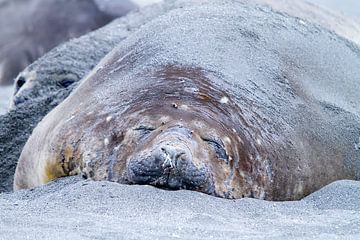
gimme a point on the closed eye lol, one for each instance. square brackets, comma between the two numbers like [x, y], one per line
[144, 130]
[66, 82]
[219, 148]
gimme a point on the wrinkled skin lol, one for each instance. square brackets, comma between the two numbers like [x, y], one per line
[30, 28]
[223, 103]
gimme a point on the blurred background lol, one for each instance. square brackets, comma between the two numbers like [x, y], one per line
[350, 8]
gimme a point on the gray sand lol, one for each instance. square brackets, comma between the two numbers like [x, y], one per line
[72, 208]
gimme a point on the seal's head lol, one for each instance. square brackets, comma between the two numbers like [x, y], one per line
[183, 134]
[174, 129]
[178, 151]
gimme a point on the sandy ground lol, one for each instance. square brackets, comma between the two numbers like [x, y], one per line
[79, 209]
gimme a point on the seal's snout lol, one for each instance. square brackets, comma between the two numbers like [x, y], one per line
[169, 165]
[170, 160]
[167, 160]
[173, 156]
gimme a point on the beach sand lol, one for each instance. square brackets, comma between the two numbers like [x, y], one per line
[72, 208]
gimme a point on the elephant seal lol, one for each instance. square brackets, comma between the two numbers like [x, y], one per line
[226, 99]
[30, 28]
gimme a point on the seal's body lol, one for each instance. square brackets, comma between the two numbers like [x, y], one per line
[335, 21]
[30, 28]
[226, 99]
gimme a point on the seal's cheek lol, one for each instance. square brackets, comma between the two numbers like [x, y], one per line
[52, 171]
[220, 163]
[144, 169]
[164, 160]
[60, 163]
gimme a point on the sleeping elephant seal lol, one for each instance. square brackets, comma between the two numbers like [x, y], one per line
[30, 28]
[227, 99]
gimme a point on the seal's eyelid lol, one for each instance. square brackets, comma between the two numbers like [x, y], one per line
[66, 82]
[218, 147]
[144, 129]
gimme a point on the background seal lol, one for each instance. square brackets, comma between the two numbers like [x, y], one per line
[31, 28]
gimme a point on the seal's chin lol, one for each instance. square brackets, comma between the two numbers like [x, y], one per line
[169, 163]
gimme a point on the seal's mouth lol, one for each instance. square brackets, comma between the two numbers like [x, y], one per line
[169, 163]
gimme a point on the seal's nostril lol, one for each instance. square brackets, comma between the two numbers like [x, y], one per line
[180, 155]
[170, 151]
[168, 164]
[19, 100]
[173, 154]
